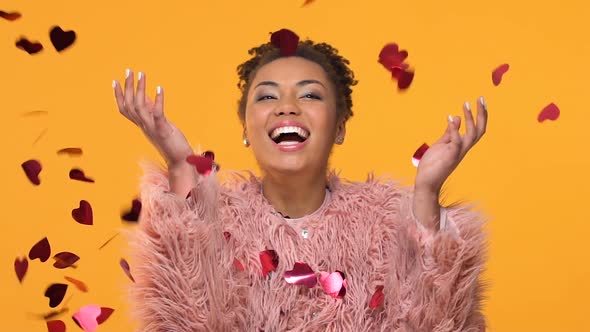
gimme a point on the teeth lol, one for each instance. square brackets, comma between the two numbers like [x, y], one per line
[289, 130]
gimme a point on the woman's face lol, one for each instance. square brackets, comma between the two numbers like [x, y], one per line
[291, 117]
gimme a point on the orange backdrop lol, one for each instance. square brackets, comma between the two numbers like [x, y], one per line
[531, 178]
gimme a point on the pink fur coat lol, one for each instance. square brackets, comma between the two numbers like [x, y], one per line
[197, 261]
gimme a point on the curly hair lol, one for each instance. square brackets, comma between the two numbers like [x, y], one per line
[335, 66]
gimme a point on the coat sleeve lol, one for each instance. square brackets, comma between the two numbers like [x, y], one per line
[176, 250]
[437, 282]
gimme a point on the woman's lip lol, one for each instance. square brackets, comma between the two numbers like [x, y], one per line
[290, 148]
[287, 123]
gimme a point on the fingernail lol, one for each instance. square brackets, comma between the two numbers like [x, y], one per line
[158, 89]
[450, 118]
[483, 103]
[139, 75]
[127, 72]
[468, 106]
[114, 84]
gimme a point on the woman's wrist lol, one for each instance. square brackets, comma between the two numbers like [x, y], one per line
[426, 207]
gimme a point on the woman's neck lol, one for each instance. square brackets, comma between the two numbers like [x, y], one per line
[295, 196]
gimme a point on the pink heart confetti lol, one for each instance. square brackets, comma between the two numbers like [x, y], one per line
[126, 268]
[20, 267]
[56, 293]
[133, 214]
[78, 174]
[83, 214]
[65, 259]
[285, 40]
[333, 284]
[377, 298]
[56, 326]
[269, 261]
[86, 317]
[301, 274]
[41, 250]
[550, 112]
[32, 169]
[418, 154]
[498, 73]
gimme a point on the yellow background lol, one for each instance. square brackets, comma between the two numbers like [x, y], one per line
[530, 178]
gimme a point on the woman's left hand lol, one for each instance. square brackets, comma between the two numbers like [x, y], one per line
[444, 155]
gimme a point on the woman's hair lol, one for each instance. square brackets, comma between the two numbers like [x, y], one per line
[335, 66]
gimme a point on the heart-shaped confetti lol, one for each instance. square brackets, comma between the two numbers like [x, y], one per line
[79, 284]
[133, 214]
[418, 154]
[41, 250]
[203, 164]
[391, 57]
[83, 214]
[498, 73]
[56, 293]
[550, 112]
[377, 298]
[126, 268]
[56, 326]
[404, 78]
[333, 284]
[70, 151]
[29, 46]
[20, 267]
[105, 313]
[86, 317]
[61, 39]
[269, 261]
[285, 40]
[32, 169]
[78, 174]
[301, 274]
[65, 259]
[12, 16]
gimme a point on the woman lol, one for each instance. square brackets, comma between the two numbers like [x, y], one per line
[300, 249]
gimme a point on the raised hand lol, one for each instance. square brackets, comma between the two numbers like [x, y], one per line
[149, 116]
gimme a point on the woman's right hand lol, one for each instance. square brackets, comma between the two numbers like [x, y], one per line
[148, 115]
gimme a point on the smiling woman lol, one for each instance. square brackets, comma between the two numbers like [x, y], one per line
[299, 248]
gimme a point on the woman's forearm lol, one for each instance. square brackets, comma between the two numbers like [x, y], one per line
[426, 208]
[182, 178]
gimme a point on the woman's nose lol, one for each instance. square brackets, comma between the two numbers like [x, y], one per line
[287, 107]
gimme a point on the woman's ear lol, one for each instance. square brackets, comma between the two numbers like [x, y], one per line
[340, 132]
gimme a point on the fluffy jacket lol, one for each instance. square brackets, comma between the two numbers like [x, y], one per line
[197, 266]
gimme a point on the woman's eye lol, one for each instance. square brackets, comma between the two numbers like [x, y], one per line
[265, 97]
[312, 96]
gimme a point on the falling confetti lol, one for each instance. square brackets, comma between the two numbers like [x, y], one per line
[203, 164]
[105, 313]
[83, 214]
[393, 60]
[61, 39]
[301, 274]
[55, 313]
[418, 154]
[32, 169]
[307, 2]
[126, 268]
[35, 113]
[12, 16]
[65, 259]
[498, 73]
[269, 261]
[550, 112]
[70, 151]
[285, 40]
[79, 284]
[40, 136]
[377, 298]
[133, 214]
[56, 326]
[41, 250]
[78, 174]
[20, 267]
[29, 46]
[86, 317]
[107, 241]
[333, 284]
[56, 293]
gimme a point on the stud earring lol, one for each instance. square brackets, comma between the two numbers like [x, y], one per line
[246, 142]
[339, 140]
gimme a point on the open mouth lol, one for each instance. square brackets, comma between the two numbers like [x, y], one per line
[289, 135]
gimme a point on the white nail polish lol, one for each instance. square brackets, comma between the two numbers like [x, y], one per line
[114, 84]
[450, 118]
[483, 103]
[158, 89]
[467, 106]
[139, 75]
[127, 72]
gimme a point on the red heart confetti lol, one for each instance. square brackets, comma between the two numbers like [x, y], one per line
[126, 268]
[333, 284]
[133, 214]
[107, 241]
[301, 274]
[20, 267]
[61, 39]
[285, 40]
[12, 16]
[78, 174]
[418, 154]
[41, 250]
[83, 214]
[203, 164]
[32, 169]
[29, 46]
[377, 298]
[56, 326]
[79, 284]
[550, 112]
[105, 313]
[56, 293]
[238, 265]
[65, 259]
[227, 236]
[404, 78]
[498, 73]
[86, 317]
[392, 58]
[70, 151]
[269, 261]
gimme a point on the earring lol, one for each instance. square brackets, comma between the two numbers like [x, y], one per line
[246, 142]
[339, 140]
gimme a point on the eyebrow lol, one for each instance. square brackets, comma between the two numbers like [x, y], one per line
[300, 83]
